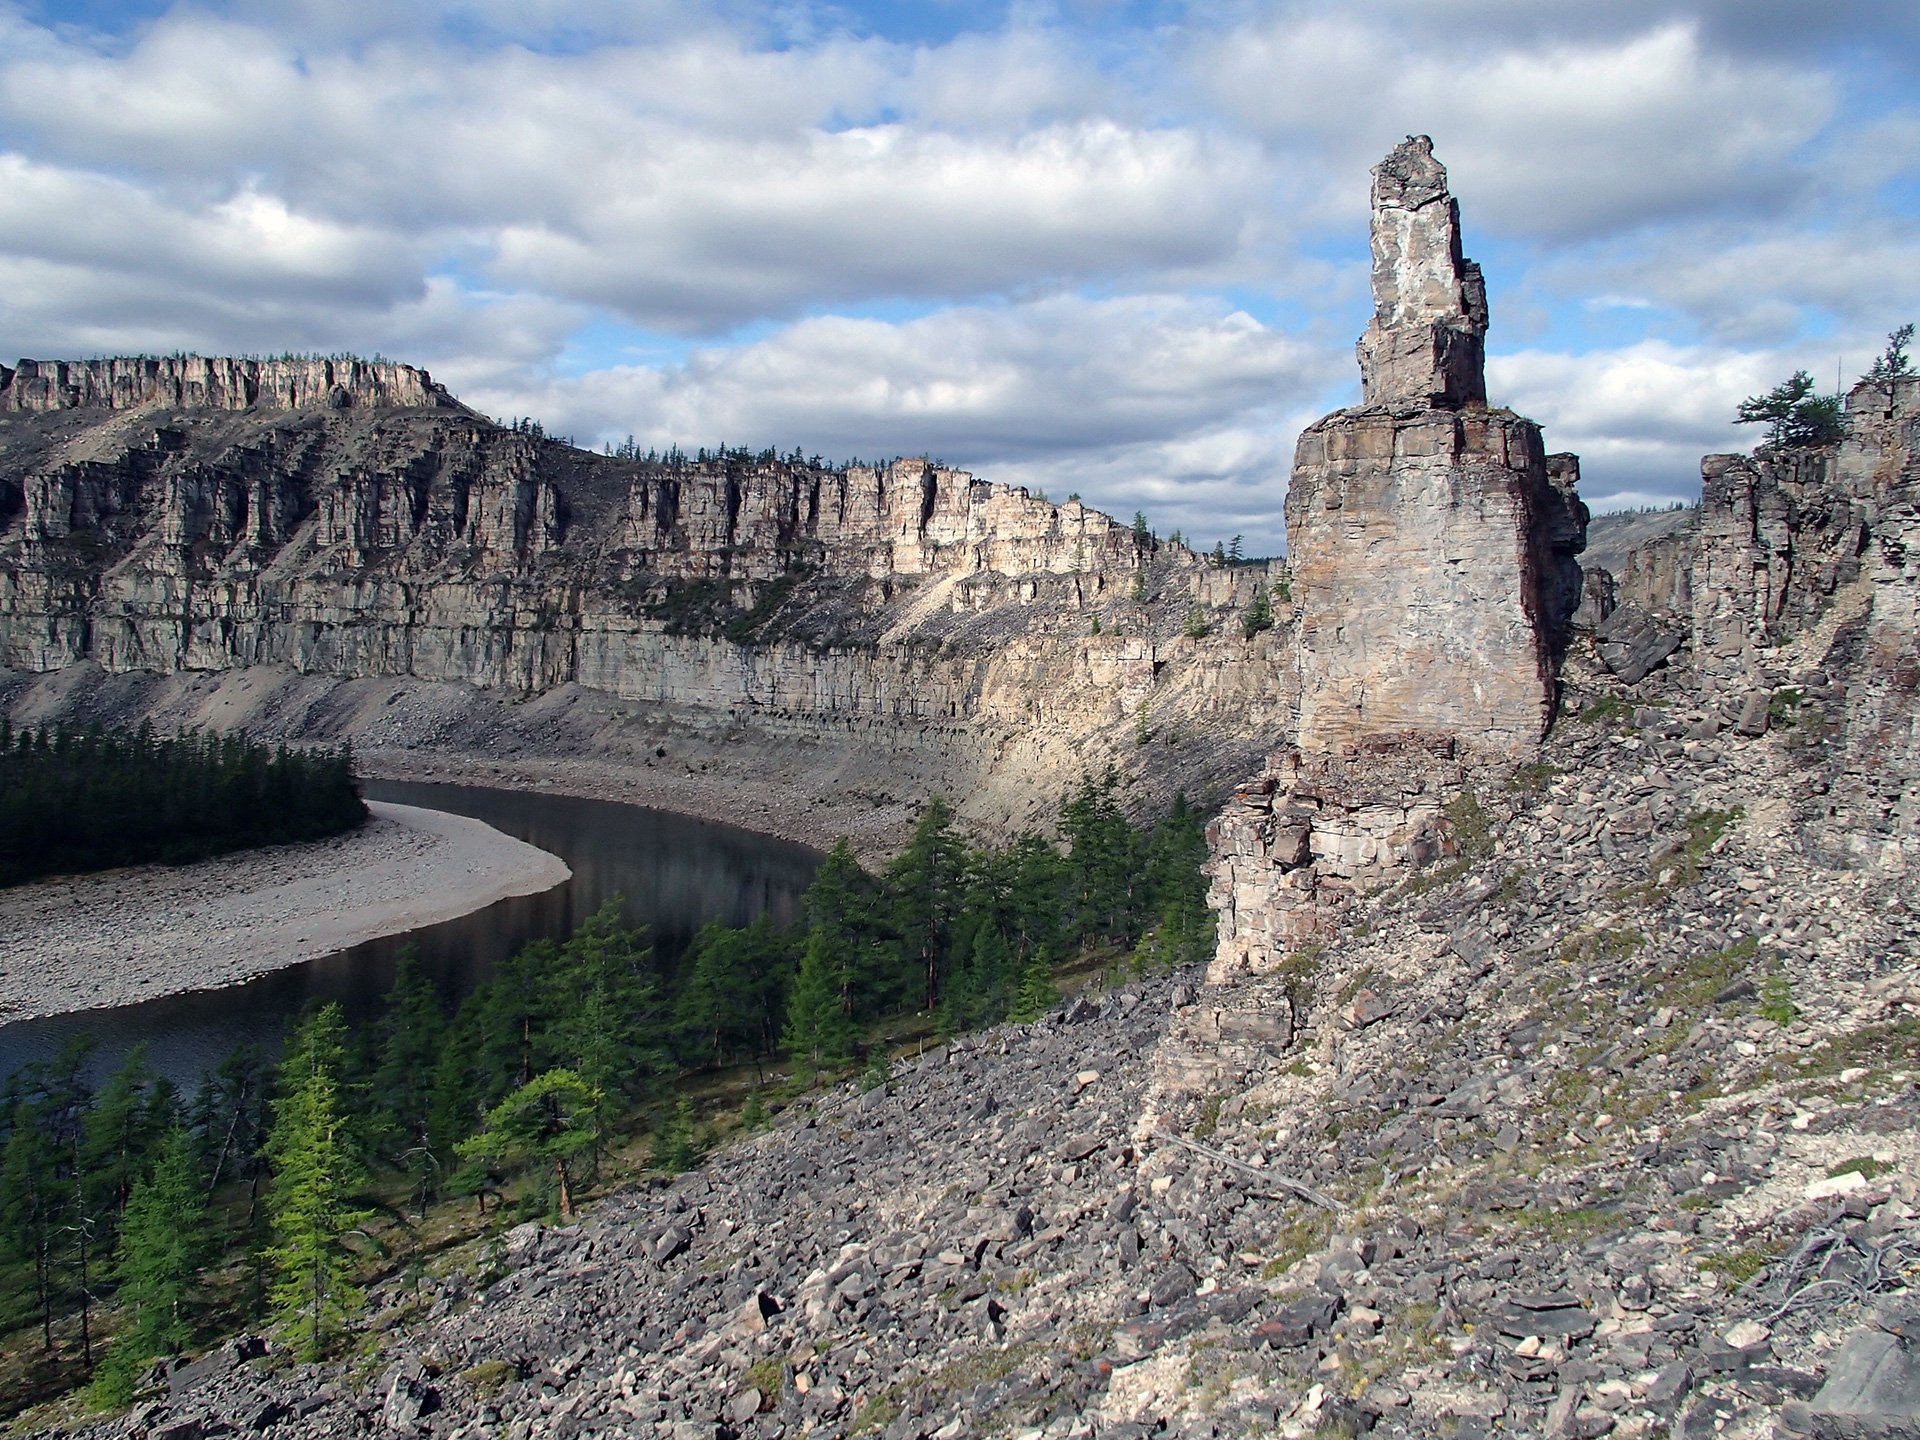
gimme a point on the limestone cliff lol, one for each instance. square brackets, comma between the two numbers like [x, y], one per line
[1432, 543]
[209, 518]
[202, 382]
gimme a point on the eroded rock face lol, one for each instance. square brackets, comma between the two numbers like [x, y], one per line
[1432, 539]
[757, 596]
[203, 382]
[1433, 570]
[1426, 345]
[1432, 542]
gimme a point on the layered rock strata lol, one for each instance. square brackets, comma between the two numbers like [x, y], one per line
[1432, 543]
[200, 382]
[977, 624]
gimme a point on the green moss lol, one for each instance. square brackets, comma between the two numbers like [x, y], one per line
[1608, 710]
[1865, 1166]
[1600, 946]
[1209, 1120]
[1532, 779]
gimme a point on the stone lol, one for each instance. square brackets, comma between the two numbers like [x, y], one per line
[1431, 544]
[1872, 1392]
[1631, 642]
[1425, 346]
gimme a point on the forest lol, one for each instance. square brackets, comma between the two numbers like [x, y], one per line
[74, 799]
[137, 1222]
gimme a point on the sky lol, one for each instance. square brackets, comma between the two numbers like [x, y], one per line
[1113, 248]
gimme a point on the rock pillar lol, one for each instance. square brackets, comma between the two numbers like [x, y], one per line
[1432, 545]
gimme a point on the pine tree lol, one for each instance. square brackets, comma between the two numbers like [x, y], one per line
[315, 1172]
[1259, 614]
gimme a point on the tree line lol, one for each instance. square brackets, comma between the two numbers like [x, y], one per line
[78, 798]
[130, 1192]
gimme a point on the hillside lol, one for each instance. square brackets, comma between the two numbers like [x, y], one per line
[1555, 1071]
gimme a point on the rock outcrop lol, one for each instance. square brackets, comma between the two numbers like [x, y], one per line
[1431, 539]
[1426, 345]
[200, 382]
[1432, 543]
[877, 609]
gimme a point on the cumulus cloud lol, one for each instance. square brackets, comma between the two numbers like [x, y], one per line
[1552, 138]
[1159, 403]
[1081, 209]
[1639, 416]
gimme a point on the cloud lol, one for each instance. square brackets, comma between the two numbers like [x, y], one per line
[1639, 416]
[1553, 139]
[1741, 288]
[1082, 204]
[1151, 402]
[698, 236]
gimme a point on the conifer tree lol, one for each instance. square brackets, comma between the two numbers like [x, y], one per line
[926, 879]
[164, 1242]
[1259, 614]
[309, 1201]
[551, 1122]
[1037, 994]
[408, 1040]
[818, 1033]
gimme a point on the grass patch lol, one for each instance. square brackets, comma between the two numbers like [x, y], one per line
[1209, 1121]
[1357, 982]
[1292, 1243]
[1737, 1267]
[490, 1377]
[1776, 1001]
[1298, 972]
[1532, 779]
[1694, 983]
[1599, 946]
[1865, 1166]
[1471, 827]
[1608, 710]
[1566, 1226]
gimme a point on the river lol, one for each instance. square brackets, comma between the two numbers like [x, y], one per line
[673, 874]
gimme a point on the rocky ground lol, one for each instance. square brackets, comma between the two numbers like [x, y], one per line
[1608, 1127]
[87, 941]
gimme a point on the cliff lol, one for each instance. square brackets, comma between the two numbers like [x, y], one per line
[199, 382]
[161, 538]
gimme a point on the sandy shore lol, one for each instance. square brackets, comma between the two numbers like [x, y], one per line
[125, 935]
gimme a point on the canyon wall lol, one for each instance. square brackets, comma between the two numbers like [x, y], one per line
[399, 535]
[199, 382]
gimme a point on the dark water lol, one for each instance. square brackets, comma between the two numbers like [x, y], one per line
[674, 874]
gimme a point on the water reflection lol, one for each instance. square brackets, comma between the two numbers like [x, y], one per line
[675, 874]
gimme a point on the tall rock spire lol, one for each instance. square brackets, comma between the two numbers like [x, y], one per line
[1432, 544]
[1426, 344]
